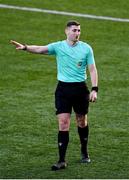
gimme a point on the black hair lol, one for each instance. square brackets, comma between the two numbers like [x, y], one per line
[72, 23]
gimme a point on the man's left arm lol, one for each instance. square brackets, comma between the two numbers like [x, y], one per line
[94, 81]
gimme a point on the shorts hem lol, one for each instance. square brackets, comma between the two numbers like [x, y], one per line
[62, 112]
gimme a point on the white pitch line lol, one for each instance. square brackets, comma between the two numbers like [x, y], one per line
[63, 13]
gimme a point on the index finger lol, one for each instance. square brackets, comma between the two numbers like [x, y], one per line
[14, 42]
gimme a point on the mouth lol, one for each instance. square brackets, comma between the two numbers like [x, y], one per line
[77, 37]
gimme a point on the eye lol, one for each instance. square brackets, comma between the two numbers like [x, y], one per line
[74, 30]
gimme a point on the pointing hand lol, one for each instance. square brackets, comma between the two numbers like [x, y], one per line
[18, 45]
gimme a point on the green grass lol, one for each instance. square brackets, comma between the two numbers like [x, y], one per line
[98, 7]
[28, 126]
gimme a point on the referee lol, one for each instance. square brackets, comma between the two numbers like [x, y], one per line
[73, 58]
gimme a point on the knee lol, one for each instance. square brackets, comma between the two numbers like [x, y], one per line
[81, 121]
[64, 124]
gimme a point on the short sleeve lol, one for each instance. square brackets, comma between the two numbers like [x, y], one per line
[52, 48]
[90, 56]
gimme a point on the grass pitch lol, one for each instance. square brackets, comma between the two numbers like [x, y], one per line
[28, 126]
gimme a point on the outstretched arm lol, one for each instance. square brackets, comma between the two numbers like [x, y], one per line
[30, 48]
[94, 82]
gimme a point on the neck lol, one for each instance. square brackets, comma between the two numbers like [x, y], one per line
[71, 43]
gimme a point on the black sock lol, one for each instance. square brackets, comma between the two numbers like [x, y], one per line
[63, 139]
[83, 134]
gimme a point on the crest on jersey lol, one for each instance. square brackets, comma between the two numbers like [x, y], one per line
[79, 64]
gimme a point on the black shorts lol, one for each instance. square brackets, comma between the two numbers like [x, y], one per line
[72, 95]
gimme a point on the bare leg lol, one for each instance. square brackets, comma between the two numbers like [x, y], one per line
[81, 120]
[64, 121]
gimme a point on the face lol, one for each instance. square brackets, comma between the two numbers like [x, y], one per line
[73, 33]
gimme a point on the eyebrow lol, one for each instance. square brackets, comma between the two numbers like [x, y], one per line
[76, 29]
